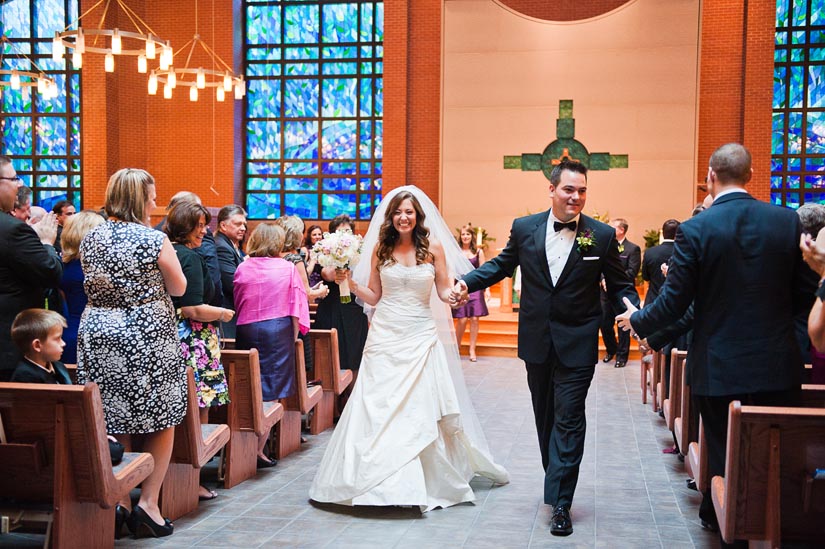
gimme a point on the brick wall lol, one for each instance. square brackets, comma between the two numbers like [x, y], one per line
[563, 10]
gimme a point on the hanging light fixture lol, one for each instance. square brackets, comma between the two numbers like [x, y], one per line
[143, 40]
[23, 80]
[197, 77]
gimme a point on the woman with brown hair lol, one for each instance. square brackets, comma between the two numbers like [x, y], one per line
[128, 341]
[476, 305]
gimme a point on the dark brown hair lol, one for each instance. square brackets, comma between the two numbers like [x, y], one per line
[388, 236]
[468, 228]
[308, 237]
[183, 218]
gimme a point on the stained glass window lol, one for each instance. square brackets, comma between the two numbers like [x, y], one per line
[798, 137]
[314, 107]
[42, 137]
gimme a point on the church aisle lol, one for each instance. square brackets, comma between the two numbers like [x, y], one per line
[629, 493]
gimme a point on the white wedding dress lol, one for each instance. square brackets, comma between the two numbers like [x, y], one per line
[400, 440]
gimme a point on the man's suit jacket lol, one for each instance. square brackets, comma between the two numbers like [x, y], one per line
[28, 372]
[27, 268]
[739, 262]
[229, 259]
[652, 269]
[564, 316]
[631, 258]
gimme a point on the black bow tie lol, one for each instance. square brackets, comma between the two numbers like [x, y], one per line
[558, 225]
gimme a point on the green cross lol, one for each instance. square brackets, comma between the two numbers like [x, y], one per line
[564, 147]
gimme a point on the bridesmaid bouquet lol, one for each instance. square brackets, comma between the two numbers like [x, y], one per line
[342, 250]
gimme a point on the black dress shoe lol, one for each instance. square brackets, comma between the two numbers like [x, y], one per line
[121, 518]
[608, 357]
[143, 526]
[560, 523]
[620, 364]
[263, 463]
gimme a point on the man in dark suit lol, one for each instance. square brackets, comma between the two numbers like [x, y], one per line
[631, 257]
[28, 264]
[231, 231]
[655, 257]
[563, 254]
[745, 255]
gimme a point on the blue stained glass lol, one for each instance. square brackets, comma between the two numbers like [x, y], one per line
[340, 68]
[341, 184]
[17, 63]
[263, 54]
[816, 86]
[263, 69]
[263, 184]
[263, 139]
[339, 139]
[263, 206]
[56, 104]
[340, 96]
[815, 142]
[365, 167]
[776, 165]
[302, 205]
[365, 139]
[52, 180]
[781, 38]
[301, 69]
[301, 24]
[15, 18]
[797, 55]
[336, 204]
[814, 164]
[366, 68]
[263, 168]
[379, 139]
[792, 200]
[366, 22]
[263, 24]
[53, 165]
[816, 54]
[379, 51]
[793, 182]
[340, 52]
[263, 98]
[365, 184]
[798, 37]
[301, 99]
[366, 51]
[794, 164]
[23, 165]
[379, 68]
[364, 206]
[340, 23]
[51, 136]
[814, 182]
[344, 168]
[75, 165]
[17, 136]
[366, 97]
[47, 199]
[776, 182]
[301, 53]
[814, 198]
[778, 134]
[379, 22]
[76, 183]
[302, 184]
[301, 140]
[800, 12]
[74, 93]
[817, 36]
[75, 136]
[817, 7]
[379, 97]
[782, 14]
[49, 16]
[796, 83]
[14, 101]
[780, 56]
[301, 168]
[378, 169]
[776, 199]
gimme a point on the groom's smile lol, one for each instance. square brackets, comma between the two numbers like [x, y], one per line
[569, 195]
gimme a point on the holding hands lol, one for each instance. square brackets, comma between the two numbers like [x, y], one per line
[624, 318]
[459, 294]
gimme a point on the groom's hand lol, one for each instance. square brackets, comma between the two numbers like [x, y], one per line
[624, 318]
[459, 294]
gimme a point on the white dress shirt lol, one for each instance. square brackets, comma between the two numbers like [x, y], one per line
[557, 245]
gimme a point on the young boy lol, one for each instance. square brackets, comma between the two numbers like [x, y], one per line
[38, 334]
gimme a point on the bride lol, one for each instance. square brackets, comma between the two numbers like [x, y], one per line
[409, 434]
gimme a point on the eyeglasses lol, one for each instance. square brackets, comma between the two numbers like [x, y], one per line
[14, 179]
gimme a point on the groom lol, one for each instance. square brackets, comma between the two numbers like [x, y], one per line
[562, 254]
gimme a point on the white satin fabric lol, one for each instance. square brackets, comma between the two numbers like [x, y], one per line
[400, 439]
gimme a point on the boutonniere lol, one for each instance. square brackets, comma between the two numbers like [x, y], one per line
[621, 248]
[585, 240]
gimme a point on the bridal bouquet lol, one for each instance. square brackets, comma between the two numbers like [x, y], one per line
[342, 250]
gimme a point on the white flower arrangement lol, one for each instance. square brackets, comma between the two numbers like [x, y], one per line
[342, 250]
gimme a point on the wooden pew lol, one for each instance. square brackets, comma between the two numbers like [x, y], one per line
[769, 493]
[195, 444]
[57, 453]
[334, 380]
[672, 405]
[647, 376]
[684, 428]
[247, 415]
[302, 402]
[659, 380]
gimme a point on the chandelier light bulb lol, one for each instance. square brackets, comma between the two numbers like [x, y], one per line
[41, 84]
[142, 66]
[220, 94]
[167, 91]
[227, 82]
[58, 49]
[172, 80]
[77, 60]
[25, 93]
[80, 41]
[15, 80]
[117, 47]
[150, 49]
[200, 79]
[51, 89]
[153, 83]
[193, 93]
[109, 63]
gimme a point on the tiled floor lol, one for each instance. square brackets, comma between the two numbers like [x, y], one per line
[629, 493]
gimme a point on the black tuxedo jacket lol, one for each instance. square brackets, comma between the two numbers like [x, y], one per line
[652, 269]
[564, 316]
[739, 262]
[27, 372]
[229, 260]
[631, 258]
[27, 268]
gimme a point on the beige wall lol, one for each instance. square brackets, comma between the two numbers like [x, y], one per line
[632, 75]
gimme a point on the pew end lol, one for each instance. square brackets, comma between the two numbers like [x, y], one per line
[334, 380]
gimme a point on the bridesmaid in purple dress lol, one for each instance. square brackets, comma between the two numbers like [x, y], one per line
[477, 304]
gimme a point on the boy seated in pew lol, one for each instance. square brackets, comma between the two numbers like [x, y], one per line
[38, 334]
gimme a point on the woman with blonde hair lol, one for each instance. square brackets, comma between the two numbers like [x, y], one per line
[272, 311]
[71, 285]
[128, 339]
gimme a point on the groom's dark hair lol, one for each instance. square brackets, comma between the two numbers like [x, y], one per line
[570, 165]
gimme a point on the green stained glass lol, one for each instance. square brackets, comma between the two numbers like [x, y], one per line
[337, 68]
[263, 54]
[263, 206]
[780, 56]
[264, 99]
[792, 200]
[379, 23]
[798, 54]
[340, 23]
[17, 136]
[340, 97]
[76, 183]
[816, 86]
[51, 135]
[366, 98]
[365, 206]
[53, 181]
[302, 184]
[800, 12]
[798, 37]
[302, 205]
[795, 91]
[15, 18]
[301, 140]
[263, 139]
[817, 9]
[781, 14]
[74, 93]
[776, 199]
[263, 24]
[815, 164]
[817, 37]
[16, 101]
[340, 52]
[263, 69]
[339, 139]
[264, 184]
[815, 139]
[301, 99]
[336, 204]
[379, 97]
[367, 21]
[57, 104]
[366, 68]
[301, 24]
[776, 164]
[301, 69]
[816, 54]
[53, 165]
[794, 165]
[781, 38]
[778, 134]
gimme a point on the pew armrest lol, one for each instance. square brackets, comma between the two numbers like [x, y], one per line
[213, 438]
[130, 472]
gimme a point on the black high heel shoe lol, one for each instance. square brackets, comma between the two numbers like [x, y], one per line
[142, 525]
[121, 518]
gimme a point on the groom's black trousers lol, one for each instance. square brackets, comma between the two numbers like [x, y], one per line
[558, 392]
